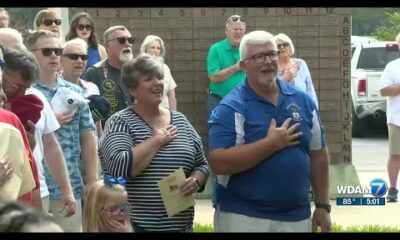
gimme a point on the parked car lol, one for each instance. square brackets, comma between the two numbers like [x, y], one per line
[367, 65]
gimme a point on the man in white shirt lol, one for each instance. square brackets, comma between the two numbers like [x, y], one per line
[390, 88]
[19, 73]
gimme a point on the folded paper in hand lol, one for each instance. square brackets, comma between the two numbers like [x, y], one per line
[66, 100]
[174, 200]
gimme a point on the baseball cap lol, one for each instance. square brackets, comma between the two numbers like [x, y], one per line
[27, 107]
[99, 106]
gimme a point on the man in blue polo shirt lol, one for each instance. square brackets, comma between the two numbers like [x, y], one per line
[267, 146]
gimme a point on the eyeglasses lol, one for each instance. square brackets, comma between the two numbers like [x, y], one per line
[282, 45]
[75, 56]
[87, 26]
[122, 40]
[235, 18]
[48, 51]
[49, 22]
[117, 210]
[260, 58]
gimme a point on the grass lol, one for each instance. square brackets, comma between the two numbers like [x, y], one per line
[335, 228]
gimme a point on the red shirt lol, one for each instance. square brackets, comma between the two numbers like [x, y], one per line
[12, 119]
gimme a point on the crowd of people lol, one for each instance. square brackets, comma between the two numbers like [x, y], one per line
[96, 166]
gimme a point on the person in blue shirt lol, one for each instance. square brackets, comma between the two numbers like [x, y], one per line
[82, 26]
[267, 146]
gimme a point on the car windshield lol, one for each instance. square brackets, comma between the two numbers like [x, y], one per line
[376, 58]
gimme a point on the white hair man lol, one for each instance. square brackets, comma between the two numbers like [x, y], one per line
[264, 168]
[107, 74]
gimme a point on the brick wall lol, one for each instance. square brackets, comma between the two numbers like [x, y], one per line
[321, 37]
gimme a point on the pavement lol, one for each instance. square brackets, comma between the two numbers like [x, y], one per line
[342, 215]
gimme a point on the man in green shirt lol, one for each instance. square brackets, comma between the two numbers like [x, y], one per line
[223, 62]
[223, 67]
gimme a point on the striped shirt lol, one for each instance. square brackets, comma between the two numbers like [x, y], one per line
[126, 129]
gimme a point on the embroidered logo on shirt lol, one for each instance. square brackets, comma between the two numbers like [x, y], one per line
[295, 110]
[108, 85]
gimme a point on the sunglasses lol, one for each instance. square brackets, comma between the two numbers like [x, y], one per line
[282, 45]
[87, 26]
[48, 51]
[236, 18]
[49, 22]
[75, 56]
[118, 210]
[122, 40]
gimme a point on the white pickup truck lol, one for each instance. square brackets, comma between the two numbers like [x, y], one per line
[367, 64]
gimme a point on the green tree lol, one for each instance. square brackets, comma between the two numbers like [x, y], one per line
[390, 31]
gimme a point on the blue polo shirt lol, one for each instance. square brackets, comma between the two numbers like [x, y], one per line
[277, 188]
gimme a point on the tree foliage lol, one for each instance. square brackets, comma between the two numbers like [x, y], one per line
[389, 32]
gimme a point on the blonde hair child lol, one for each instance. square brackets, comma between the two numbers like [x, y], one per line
[106, 208]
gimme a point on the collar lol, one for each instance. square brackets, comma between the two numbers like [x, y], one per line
[284, 88]
[60, 82]
[227, 45]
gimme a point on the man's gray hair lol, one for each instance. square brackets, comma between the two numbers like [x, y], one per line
[143, 65]
[258, 37]
[11, 32]
[110, 31]
[285, 38]
[21, 61]
[149, 39]
[75, 41]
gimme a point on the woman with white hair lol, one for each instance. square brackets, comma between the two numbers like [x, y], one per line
[293, 70]
[154, 46]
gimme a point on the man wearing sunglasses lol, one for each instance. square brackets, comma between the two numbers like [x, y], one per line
[107, 73]
[73, 62]
[267, 146]
[223, 67]
[76, 134]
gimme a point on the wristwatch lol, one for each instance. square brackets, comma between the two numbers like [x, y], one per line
[325, 206]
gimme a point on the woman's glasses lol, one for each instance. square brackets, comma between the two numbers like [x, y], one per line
[118, 210]
[83, 26]
[123, 40]
[282, 45]
[49, 22]
[48, 51]
[75, 56]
